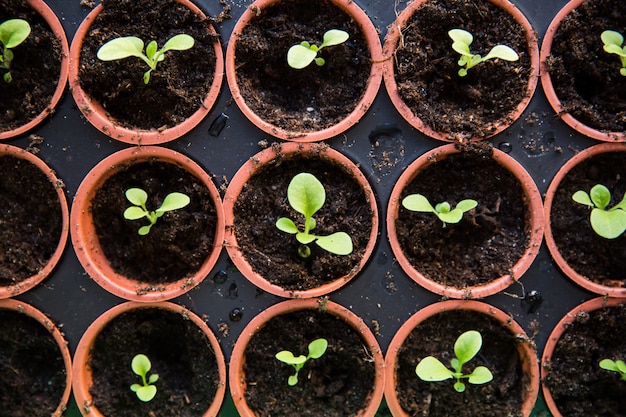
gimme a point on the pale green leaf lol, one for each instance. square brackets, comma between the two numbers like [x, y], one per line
[151, 49]
[13, 32]
[119, 48]
[286, 225]
[144, 230]
[451, 217]
[600, 195]
[179, 42]
[608, 224]
[306, 194]
[503, 52]
[134, 213]
[305, 238]
[610, 37]
[137, 196]
[299, 56]
[317, 348]
[338, 243]
[288, 358]
[431, 369]
[173, 201]
[467, 345]
[334, 37]
[614, 49]
[480, 375]
[443, 207]
[146, 393]
[140, 364]
[582, 198]
[417, 202]
[461, 36]
[466, 205]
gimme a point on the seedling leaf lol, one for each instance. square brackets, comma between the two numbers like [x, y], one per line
[467, 345]
[286, 225]
[338, 243]
[301, 55]
[13, 32]
[306, 194]
[173, 201]
[480, 375]
[431, 369]
[120, 48]
[334, 37]
[608, 224]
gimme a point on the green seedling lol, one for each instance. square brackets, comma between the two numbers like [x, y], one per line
[608, 223]
[140, 366]
[301, 55]
[12, 33]
[138, 197]
[461, 41]
[126, 46]
[616, 366]
[307, 195]
[465, 348]
[316, 349]
[613, 45]
[447, 214]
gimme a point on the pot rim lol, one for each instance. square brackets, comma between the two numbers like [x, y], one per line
[87, 246]
[548, 88]
[236, 374]
[526, 350]
[33, 312]
[55, 25]
[391, 42]
[29, 283]
[248, 169]
[375, 77]
[536, 228]
[82, 377]
[97, 115]
[549, 198]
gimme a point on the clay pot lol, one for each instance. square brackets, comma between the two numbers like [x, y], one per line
[393, 42]
[99, 117]
[527, 355]
[616, 290]
[83, 379]
[50, 264]
[532, 199]
[273, 156]
[42, 8]
[20, 307]
[237, 374]
[87, 245]
[375, 76]
[560, 335]
[548, 88]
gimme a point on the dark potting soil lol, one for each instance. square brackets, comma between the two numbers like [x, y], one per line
[502, 397]
[180, 354]
[35, 69]
[274, 254]
[426, 68]
[32, 371]
[312, 98]
[179, 84]
[180, 241]
[578, 385]
[31, 222]
[598, 259]
[489, 239]
[337, 384]
[586, 79]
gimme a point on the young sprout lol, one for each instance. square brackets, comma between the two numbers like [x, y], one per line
[447, 214]
[140, 366]
[138, 197]
[462, 40]
[608, 223]
[307, 195]
[12, 33]
[616, 366]
[301, 55]
[316, 349]
[465, 348]
[126, 46]
[613, 44]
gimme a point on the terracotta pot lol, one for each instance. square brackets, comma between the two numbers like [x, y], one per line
[27, 284]
[30, 311]
[392, 41]
[556, 335]
[237, 375]
[583, 281]
[548, 88]
[534, 229]
[525, 349]
[87, 245]
[100, 119]
[273, 156]
[82, 374]
[375, 76]
[42, 8]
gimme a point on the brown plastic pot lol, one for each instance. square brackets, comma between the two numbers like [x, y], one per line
[371, 35]
[98, 116]
[85, 240]
[273, 155]
[556, 334]
[392, 41]
[548, 88]
[30, 311]
[237, 377]
[82, 376]
[29, 283]
[585, 282]
[535, 228]
[42, 8]
[525, 349]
